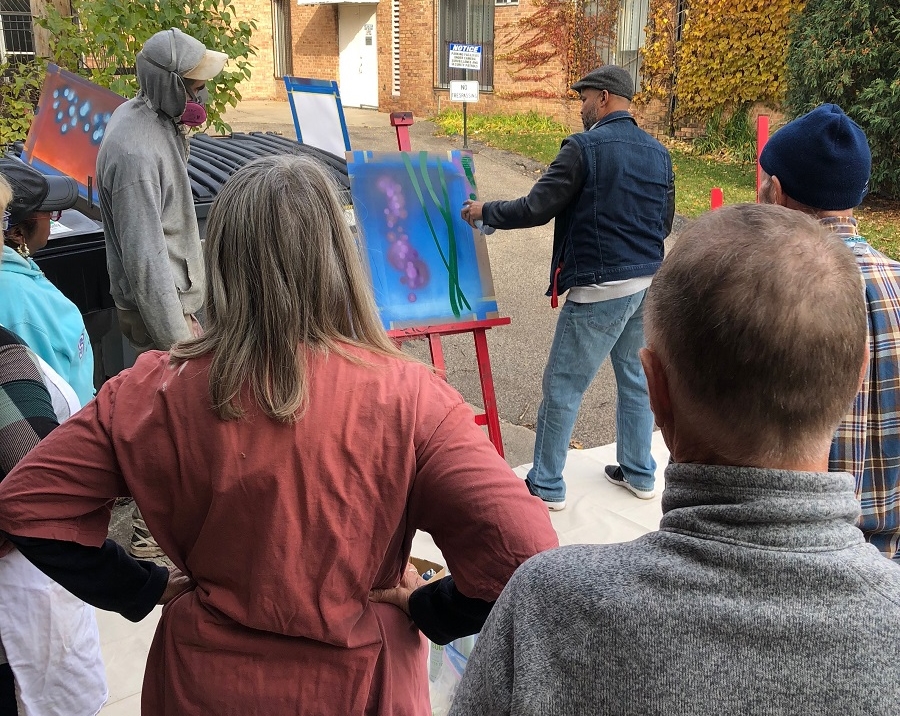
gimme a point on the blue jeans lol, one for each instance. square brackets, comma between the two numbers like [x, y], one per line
[585, 334]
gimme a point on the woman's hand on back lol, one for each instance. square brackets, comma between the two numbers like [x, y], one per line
[178, 582]
[399, 595]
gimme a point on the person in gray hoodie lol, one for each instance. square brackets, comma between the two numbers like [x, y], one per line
[758, 595]
[153, 250]
[152, 240]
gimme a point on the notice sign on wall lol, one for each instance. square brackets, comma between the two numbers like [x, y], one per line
[465, 57]
[464, 91]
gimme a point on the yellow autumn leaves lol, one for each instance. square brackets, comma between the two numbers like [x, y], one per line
[730, 52]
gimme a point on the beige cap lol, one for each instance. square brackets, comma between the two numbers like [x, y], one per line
[212, 64]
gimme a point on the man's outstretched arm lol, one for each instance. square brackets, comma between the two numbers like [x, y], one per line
[555, 190]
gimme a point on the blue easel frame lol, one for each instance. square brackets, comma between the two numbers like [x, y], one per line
[313, 86]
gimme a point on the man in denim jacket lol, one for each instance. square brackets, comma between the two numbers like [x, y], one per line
[611, 190]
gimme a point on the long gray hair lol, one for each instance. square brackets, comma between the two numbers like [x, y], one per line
[284, 276]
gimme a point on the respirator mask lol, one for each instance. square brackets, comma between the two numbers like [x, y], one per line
[194, 114]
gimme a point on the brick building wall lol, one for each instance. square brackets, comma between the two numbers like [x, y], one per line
[418, 70]
[315, 53]
[262, 82]
[652, 117]
[312, 31]
[417, 37]
[314, 41]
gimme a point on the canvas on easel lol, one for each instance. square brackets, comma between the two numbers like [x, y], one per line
[318, 114]
[428, 266]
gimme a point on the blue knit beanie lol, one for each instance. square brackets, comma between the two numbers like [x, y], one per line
[822, 159]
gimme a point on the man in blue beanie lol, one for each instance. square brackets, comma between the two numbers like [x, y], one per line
[820, 164]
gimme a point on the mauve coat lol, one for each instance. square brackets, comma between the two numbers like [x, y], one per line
[285, 528]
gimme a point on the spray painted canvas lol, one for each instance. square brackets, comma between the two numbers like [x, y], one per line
[428, 266]
[71, 118]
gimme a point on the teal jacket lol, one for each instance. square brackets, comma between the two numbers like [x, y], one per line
[47, 321]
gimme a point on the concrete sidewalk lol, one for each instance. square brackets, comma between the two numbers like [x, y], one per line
[275, 116]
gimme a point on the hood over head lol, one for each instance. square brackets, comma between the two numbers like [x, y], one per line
[166, 58]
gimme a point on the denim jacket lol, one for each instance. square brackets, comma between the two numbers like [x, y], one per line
[612, 192]
[614, 229]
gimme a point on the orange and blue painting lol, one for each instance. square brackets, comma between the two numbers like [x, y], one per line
[428, 266]
[65, 135]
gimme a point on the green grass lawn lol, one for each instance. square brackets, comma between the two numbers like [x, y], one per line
[538, 137]
[532, 135]
[695, 176]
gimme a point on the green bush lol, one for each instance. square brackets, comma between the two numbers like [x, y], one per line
[100, 40]
[734, 137]
[20, 89]
[848, 52]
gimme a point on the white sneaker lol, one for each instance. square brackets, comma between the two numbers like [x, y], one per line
[615, 475]
[552, 505]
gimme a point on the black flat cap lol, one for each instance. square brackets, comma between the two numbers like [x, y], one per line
[33, 191]
[611, 78]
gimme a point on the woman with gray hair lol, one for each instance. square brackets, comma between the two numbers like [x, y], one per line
[284, 460]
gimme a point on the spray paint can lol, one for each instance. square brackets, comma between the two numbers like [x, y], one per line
[435, 660]
[484, 228]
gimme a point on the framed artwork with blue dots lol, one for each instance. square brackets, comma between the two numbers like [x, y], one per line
[68, 127]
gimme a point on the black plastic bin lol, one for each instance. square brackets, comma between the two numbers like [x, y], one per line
[76, 261]
[214, 159]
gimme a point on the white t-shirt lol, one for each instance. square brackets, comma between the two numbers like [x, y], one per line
[609, 290]
[62, 395]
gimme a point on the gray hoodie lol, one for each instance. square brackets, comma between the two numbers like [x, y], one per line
[153, 246]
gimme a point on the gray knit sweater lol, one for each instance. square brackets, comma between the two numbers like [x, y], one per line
[757, 596]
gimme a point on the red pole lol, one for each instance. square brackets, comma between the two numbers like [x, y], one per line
[715, 198]
[401, 121]
[762, 136]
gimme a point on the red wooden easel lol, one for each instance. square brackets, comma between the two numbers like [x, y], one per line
[478, 329]
[401, 122]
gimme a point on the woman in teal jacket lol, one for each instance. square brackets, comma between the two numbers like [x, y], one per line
[30, 305]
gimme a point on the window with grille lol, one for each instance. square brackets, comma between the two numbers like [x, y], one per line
[625, 51]
[470, 22]
[281, 39]
[16, 31]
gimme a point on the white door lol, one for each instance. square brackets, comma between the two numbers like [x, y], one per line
[358, 65]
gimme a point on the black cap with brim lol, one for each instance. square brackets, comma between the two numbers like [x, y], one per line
[615, 80]
[62, 195]
[33, 191]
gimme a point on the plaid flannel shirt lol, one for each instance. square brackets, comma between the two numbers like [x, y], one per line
[26, 413]
[867, 442]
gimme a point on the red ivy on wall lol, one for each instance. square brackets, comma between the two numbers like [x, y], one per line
[567, 35]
